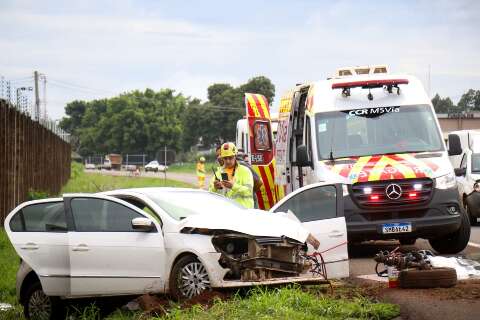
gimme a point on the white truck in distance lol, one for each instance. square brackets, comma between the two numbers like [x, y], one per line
[467, 170]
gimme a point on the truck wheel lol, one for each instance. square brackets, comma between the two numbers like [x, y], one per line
[473, 219]
[454, 242]
[407, 241]
[189, 278]
[38, 305]
[433, 278]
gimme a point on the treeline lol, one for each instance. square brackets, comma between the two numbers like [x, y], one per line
[470, 101]
[146, 121]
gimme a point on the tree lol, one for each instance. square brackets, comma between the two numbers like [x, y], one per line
[470, 101]
[75, 110]
[261, 85]
[442, 105]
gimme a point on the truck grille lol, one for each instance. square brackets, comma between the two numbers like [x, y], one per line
[392, 193]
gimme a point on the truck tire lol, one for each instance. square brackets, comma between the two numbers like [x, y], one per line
[454, 242]
[423, 279]
[473, 219]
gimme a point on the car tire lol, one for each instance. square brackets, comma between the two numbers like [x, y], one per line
[407, 241]
[423, 279]
[473, 219]
[37, 305]
[454, 242]
[189, 278]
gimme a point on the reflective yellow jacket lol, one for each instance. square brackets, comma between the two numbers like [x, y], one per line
[200, 169]
[242, 189]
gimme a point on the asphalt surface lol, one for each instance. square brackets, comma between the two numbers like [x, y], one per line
[361, 255]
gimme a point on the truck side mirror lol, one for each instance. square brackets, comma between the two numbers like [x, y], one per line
[454, 145]
[460, 172]
[302, 156]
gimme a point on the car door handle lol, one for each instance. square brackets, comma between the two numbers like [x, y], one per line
[335, 234]
[29, 246]
[81, 247]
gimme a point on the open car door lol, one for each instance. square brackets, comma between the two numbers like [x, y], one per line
[319, 207]
[260, 147]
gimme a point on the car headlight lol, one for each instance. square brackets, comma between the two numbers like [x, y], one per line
[447, 181]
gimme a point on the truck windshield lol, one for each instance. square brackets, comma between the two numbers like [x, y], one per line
[382, 130]
[476, 163]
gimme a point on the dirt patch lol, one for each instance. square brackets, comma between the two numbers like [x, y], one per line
[159, 305]
[459, 302]
[206, 299]
[154, 305]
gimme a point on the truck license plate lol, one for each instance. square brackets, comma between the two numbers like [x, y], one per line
[396, 227]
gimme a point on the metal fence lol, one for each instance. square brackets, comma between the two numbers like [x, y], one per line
[34, 156]
[18, 94]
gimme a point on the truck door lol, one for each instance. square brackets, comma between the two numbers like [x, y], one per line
[297, 137]
[261, 147]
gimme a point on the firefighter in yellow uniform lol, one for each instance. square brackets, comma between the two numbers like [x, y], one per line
[233, 180]
[201, 173]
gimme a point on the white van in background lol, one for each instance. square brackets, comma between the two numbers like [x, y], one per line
[467, 170]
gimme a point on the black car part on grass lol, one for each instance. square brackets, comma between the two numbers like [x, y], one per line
[415, 269]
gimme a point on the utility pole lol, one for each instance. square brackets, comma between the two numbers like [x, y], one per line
[37, 97]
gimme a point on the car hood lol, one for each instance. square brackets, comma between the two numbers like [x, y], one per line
[252, 222]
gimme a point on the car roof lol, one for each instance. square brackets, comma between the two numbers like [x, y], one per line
[147, 191]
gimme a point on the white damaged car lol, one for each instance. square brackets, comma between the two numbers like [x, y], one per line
[166, 240]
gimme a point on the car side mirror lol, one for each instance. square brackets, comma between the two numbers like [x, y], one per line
[302, 156]
[143, 224]
[460, 172]
[454, 145]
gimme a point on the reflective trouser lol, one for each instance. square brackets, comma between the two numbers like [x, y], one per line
[201, 182]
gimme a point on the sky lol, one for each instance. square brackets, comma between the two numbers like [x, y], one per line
[99, 48]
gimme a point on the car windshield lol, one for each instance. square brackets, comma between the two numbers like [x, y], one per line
[381, 130]
[182, 204]
[476, 163]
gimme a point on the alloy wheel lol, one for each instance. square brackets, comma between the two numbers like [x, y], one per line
[193, 279]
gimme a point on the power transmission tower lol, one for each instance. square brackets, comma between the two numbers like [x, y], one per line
[37, 97]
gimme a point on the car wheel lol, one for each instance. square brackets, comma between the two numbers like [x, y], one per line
[433, 278]
[454, 242]
[189, 278]
[473, 219]
[407, 241]
[39, 306]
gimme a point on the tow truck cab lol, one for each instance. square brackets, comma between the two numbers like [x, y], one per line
[378, 135]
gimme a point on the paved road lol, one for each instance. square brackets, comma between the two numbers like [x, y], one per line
[361, 256]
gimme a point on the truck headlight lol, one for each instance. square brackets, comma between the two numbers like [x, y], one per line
[447, 181]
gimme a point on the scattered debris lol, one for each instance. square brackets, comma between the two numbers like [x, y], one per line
[466, 268]
[5, 306]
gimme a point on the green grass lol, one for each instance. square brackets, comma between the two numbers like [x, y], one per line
[188, 167]
[96, 182]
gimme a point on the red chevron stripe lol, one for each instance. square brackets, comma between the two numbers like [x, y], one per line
[258, 106]
[261, 169]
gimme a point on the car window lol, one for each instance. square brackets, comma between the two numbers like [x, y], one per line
[40, 217]
[99, 215]
[312, 204]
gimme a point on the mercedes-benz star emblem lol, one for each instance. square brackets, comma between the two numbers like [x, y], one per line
[393, 191]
